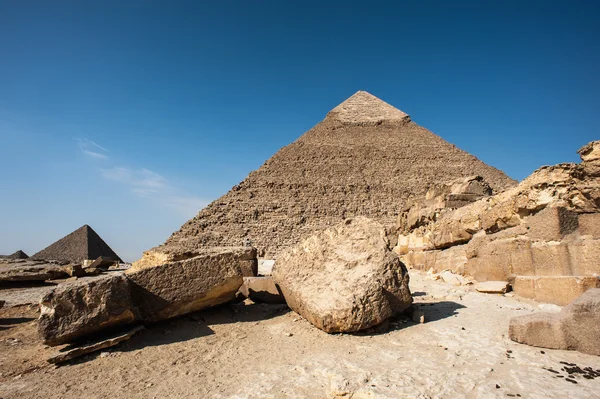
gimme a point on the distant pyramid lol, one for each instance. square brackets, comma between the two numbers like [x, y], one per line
[84, 243]
[365, 158]
[17, 255]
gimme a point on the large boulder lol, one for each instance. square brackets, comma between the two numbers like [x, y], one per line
[345, 278]
[84, 307]
[212, 276]
[27, 270]
[574, 328]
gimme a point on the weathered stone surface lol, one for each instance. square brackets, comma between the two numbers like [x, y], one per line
[574, 328]
[74, 270]
[74, 352]
[545, 226]
[246, 257]
[81, 308]
[584, 257]
[344, 278]
[589, 224]
[207, 279]
[590, 152]
[551, 224]
[262, 290]
[28, 270]
[492, 287]
[103, 263]
[560, 290]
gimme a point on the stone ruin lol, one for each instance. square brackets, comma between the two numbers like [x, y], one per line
[542, 236]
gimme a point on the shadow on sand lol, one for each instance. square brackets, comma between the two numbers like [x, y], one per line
[190, 326]
[433, 311]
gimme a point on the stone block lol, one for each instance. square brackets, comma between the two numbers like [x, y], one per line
[574, 328]
[589, 224]
[585, 257]
[81, 308]
[551, 259]
[261, 290]
[560, 290]
[552, 224]
[492, 287]
[169, 290]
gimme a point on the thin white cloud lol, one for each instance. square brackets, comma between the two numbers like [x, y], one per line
[91, 148]
[151, 185]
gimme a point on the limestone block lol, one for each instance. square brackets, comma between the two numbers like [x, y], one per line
[344, 278]
[551, 259]
[589, 224]
[585, 257]
[560, 290]
[552, 224]
[81, 308]
[574, 328]
[172, 289]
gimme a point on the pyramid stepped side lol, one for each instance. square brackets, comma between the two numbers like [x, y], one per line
[83, 243]
[338, 169]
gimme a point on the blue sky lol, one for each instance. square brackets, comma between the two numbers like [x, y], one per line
[130, 116]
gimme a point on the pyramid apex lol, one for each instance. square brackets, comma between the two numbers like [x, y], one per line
[363, 107]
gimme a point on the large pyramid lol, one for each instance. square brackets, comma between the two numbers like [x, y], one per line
[84, 243]
[365, 158]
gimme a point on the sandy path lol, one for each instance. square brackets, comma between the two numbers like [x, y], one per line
[263, 351]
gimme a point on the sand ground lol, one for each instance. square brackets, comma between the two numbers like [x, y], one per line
[267, 351]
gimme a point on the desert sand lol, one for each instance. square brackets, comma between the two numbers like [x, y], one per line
[248, 350]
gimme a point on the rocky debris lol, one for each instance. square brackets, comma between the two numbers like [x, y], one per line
[440, 197]
[28, 270]
[148, 294]
[103, 263]
[81, 308]
[74, 270]
[74, 351]
[366, 158]
[545, 227]
[78, 246]
[452, 278]
[574, 328]
[209, 278]
[92, 271]
[345, 278]
[492, 287]
[261, 290]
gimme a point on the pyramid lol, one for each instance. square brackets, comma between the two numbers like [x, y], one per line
[365, 158]
[18, 255]
[84, 243]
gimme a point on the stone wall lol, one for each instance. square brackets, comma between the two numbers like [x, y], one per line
[542, 235]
